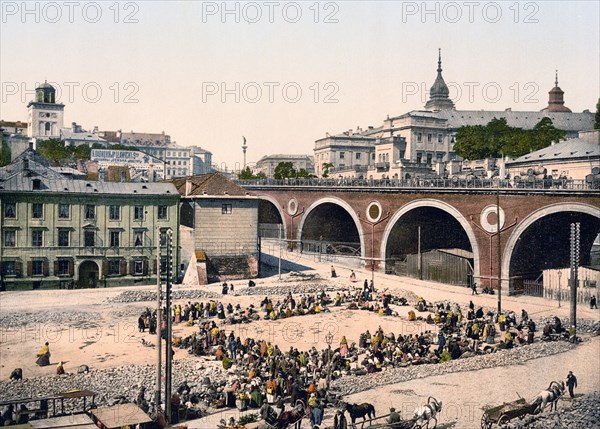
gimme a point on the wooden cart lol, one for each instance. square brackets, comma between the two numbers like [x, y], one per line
[506, 412]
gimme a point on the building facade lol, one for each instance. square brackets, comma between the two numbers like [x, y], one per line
[429, 135]
[224, 218]
[63, 232]
[268, 163]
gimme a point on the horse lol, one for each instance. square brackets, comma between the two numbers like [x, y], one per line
[550, 395]
[426, 413]
[363, 410]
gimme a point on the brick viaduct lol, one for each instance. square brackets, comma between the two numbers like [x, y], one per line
[375, 211]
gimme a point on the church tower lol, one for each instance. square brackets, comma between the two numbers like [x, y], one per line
[438, 94]
[45, 117]
[556, 101]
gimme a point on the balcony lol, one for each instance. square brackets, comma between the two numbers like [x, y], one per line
[382, 166]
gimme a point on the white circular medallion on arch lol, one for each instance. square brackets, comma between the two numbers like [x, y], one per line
[292, 207]
[374, 211]
[499, 214]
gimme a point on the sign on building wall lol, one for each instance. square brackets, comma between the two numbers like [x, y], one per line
[139, 163]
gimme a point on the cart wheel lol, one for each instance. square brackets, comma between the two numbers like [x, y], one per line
[485, 422]
[503, 419]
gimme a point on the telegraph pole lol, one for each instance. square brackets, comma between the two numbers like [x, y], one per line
[499, 250]
[158, 323]
[575, 228]
[169, 333]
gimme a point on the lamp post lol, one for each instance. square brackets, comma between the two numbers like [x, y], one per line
[559, 291]
[328, 340]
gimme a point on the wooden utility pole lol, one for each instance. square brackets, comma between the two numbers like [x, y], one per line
[158, 324]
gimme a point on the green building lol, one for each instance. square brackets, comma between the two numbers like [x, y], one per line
[61, 232]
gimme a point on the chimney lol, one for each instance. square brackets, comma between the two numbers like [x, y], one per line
[188, 187]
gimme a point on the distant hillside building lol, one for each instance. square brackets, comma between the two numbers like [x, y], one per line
[58, 231]
[224, 218]
[268, 163]
[423, 138]
[139, 166]
[76, 136]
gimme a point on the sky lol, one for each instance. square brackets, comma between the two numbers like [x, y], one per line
[283, 74]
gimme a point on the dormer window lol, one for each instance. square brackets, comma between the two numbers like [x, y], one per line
[36, 184]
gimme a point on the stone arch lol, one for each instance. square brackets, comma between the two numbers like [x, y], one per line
[428, 202]
[531, 219]
[343, 204]
[279, 210]
[88, 274]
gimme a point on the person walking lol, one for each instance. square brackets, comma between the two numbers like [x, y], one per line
[474, 289]
[571, 382]
[333, 273]
[593, 303]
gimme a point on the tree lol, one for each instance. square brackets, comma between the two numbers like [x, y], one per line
[54, 151]
[5, 155]
[303, 173]
[284, 170]
[597, 118]
[497, 139]
[246, 174]
[326, 166]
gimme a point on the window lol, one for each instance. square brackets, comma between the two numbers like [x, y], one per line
[63, 267]
[440, 157]
[138, 212]
[357, 155]
[114, 213]
[37, 268]
[9, 268]
[63, 211]
[440, 138]
[342, 155]
[37, 210]
[429, 156]
[163, 212]
[419, 158]
[138, 267]
[10, 238]
[37, 238]
[138, 238]
[429, 138]
[163, 238]
[226, 209]
[63, 237]
[10, 210]
[373, 156]
[114, 239]
[90, 211]
[89, 238]
[419, 137]
[114, 267]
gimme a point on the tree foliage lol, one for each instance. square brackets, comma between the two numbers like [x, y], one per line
[597, 118]
[497, 139]
[57, 153]
[284, 170]
[326, 166]
[246, 174]
[5, 155]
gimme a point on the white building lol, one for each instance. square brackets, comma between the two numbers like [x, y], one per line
[45, 116]
[268, 163]
[423, 138]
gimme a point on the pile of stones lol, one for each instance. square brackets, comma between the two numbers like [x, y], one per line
[348, 385]
[10, 320]
[582, 413]
[147, 295]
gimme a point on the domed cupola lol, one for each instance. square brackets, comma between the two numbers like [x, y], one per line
[439, 94]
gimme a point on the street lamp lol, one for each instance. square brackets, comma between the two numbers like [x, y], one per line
[328, 340]
[559, 292]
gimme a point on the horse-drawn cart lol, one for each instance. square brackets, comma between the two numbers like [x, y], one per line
[292, 418]
[506, 412]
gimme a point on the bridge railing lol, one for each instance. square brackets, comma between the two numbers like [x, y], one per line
[458, 183]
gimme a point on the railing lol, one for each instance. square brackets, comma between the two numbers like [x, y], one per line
[547, 184]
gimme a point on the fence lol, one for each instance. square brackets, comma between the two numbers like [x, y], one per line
[556, 286]
[436, 266]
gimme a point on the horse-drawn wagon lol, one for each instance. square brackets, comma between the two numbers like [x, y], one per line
[291, 418]
[506, 412]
